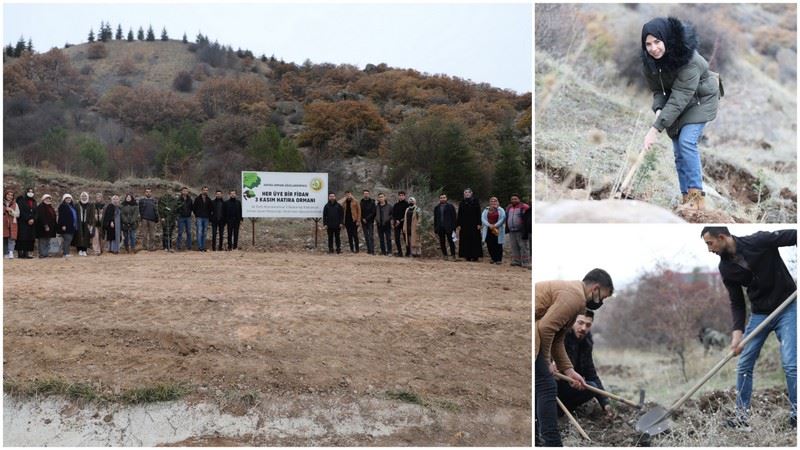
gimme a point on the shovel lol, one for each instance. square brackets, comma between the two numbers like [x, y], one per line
[656, 420]
[604, 393]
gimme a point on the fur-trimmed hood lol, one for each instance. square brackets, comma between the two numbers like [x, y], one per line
[680, 43]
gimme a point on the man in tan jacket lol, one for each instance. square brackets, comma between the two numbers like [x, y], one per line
[558, 303]
[352, 218]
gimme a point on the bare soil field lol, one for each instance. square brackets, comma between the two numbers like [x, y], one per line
[237, 329]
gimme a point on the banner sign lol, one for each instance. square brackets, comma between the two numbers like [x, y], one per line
[284, 194]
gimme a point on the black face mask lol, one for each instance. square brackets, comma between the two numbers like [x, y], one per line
[594, 303]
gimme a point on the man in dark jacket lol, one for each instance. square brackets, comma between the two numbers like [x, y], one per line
[383, 218]
[754, 262]
[444, 223]
[202, 211]
[233, 216]
[579, 345]
[368, 211]
[468, 222]
[332, 220]
[45, 221]
[398, 219]
[26, 231]
[185, 206]
[148, 212]
[217, 220]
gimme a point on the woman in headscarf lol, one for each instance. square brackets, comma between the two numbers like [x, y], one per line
[10, 215]
[685, 97]
[26, 225]
[86, 229]
[493, 231]
[67, 223]
[45, 225]
[130, 222]
[112, 224]
[411, 229]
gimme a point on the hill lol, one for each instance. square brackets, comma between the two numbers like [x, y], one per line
[593, 110]
[201, 112]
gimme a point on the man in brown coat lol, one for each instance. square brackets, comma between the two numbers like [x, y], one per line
[558, 303]
[352, 218]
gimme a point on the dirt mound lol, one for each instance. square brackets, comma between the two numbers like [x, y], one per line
[699, 422]
[705, 216]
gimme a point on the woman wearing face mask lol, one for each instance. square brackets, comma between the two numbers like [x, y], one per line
[85, 230]
[685, 97]
[10, 215]
[112, 224]
[45, 225]
[67, 223]
[26, 225]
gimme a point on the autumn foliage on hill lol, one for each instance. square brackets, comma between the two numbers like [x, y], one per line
[225, 105]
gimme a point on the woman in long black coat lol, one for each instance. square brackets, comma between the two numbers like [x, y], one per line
[83, 235]
[45, 225]
[469, 223]
[112, 224]
[26, 231]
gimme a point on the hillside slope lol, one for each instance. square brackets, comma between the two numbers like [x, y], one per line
[592, 114]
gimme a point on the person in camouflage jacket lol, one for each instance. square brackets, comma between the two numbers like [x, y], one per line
[168, 212]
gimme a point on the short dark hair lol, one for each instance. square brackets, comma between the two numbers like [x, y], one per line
[519, 197]
[366, 190]
[218, 191]
[715, 231]
[347, 192]
[205, 187]
[600, 277]
[381, 193]
[588, 313]
[442, 194]
[331, 193]
[185, 188]
[401, 192]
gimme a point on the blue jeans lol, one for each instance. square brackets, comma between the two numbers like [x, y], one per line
[66, 240]
[785, 328]
[687, 157]
[201, 223]
[184, 223]
[546, 408]
[129, 239]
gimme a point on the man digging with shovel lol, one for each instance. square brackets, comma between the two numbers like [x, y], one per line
[754, 262]
[558, 303]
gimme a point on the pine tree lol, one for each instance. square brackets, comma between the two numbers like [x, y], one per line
[164, 36]
[20, 47]
[101, 35]
[29, 47]
[130, 34]
[508, 178]
[108, 34]
[140, 34]
[184, 40]
[91, 34]
[119, 32]
[10, 51]
[150, 35]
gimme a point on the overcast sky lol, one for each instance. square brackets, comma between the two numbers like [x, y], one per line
[568, 251]
[489, 43]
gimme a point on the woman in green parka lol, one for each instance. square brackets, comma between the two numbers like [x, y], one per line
[685, 97]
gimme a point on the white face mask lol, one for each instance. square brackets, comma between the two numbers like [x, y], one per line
[30, 194]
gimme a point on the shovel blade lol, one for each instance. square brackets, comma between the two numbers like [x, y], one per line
[654, 422]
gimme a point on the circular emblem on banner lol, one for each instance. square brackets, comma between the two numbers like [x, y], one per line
[316, 184]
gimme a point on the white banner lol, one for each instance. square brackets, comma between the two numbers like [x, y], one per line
[284, 194]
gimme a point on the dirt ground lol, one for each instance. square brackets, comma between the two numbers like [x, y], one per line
[451, 336]
[698, 423]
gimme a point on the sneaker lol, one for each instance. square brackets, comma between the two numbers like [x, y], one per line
[738, 424]
[67, 256]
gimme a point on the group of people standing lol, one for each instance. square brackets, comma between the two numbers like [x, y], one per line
[101, 226]
[468, 224]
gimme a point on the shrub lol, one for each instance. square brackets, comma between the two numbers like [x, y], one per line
[348, 127]
[97, 51]
[182, 82]
[147, 107]
[87, 70]
[231, 95]
[228, 133]
[126, 67]
[43, 77]
[201, 71]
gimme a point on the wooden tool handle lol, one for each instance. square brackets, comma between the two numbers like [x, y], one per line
[572, 419]
[599, 391]
[629, 177]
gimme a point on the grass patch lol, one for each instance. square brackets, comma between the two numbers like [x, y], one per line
[159, 393]
[405, 396]
[85, 392]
